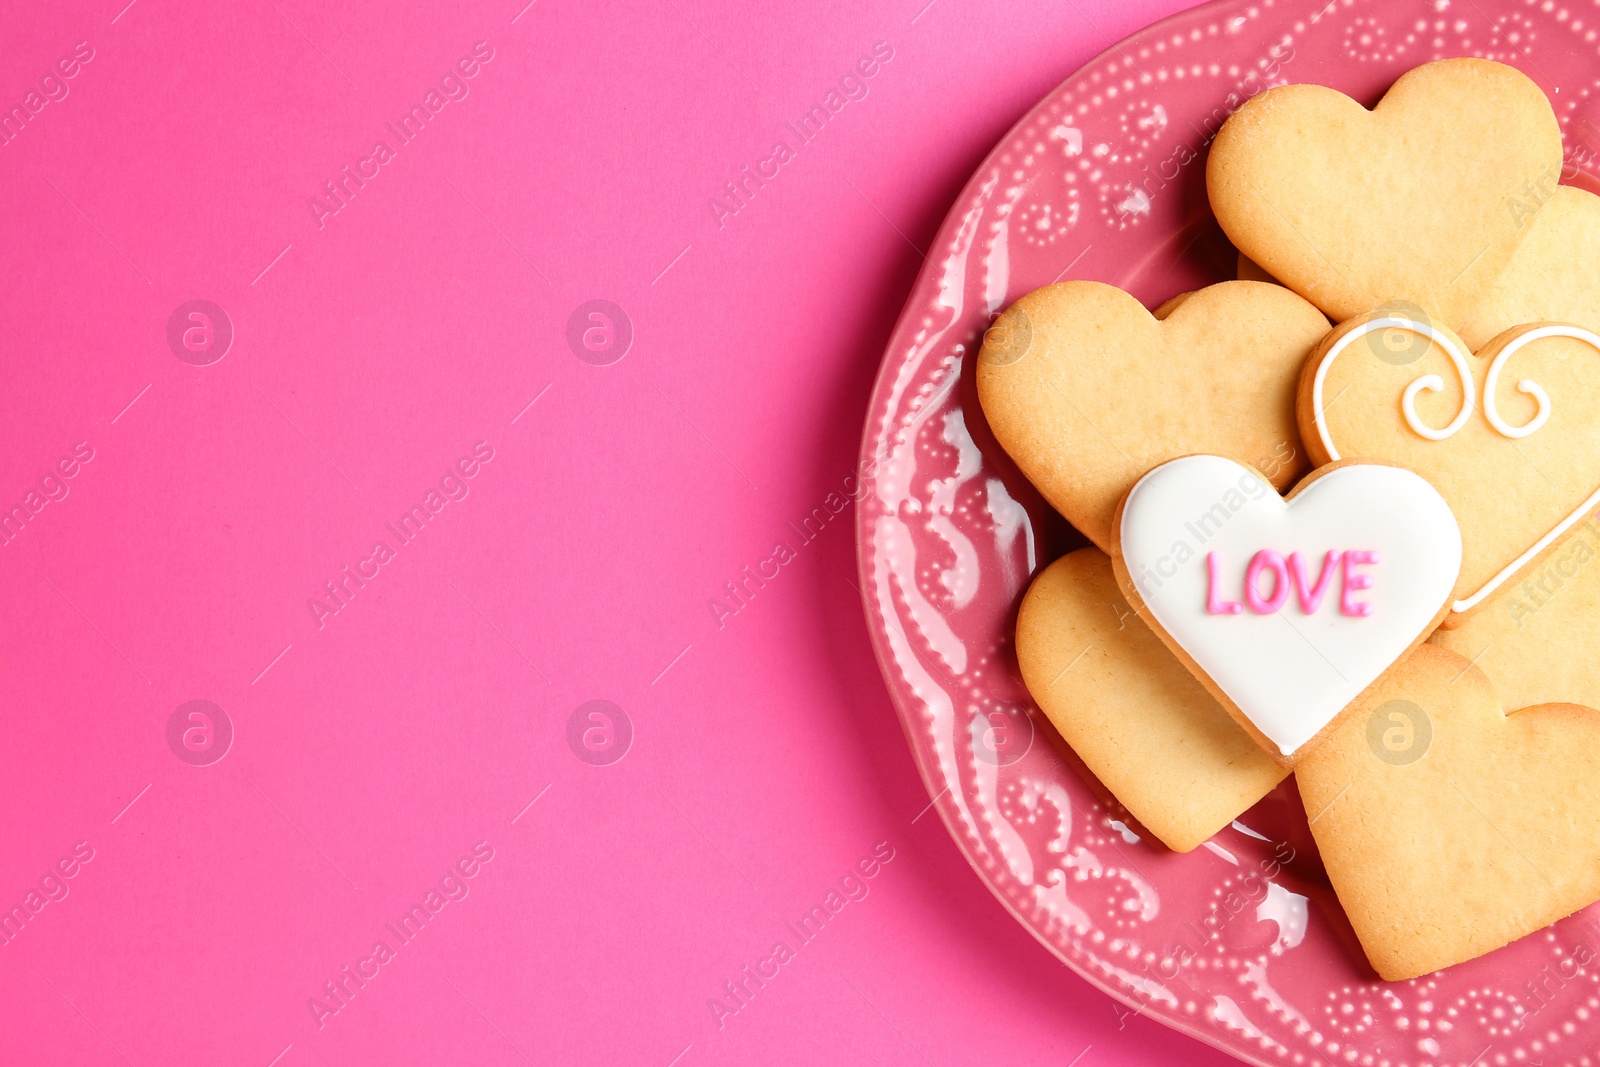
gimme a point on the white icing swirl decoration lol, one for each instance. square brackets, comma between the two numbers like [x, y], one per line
[1408, 400]
[1527, 385]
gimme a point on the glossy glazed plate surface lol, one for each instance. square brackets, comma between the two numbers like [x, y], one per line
[1241, 942]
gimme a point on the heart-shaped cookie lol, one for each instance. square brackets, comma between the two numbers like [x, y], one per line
[1510, 437]
[1551, 277]
[1424, 198]
[1286, 608]
[1087, 390]
[1448, 828]
[1135, 716]
[1537, 641]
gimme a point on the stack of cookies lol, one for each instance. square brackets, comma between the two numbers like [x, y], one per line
[1342, 510]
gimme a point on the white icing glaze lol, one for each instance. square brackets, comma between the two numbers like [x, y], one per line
[1491, 411]
[1288, 672]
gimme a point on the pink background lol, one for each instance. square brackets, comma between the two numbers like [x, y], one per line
[370, 353]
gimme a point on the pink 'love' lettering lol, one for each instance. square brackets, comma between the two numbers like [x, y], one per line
[1270, 578]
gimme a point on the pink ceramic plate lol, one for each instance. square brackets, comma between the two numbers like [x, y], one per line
[1239, 943]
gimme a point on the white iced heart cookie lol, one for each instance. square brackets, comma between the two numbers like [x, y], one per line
[1287, 609]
